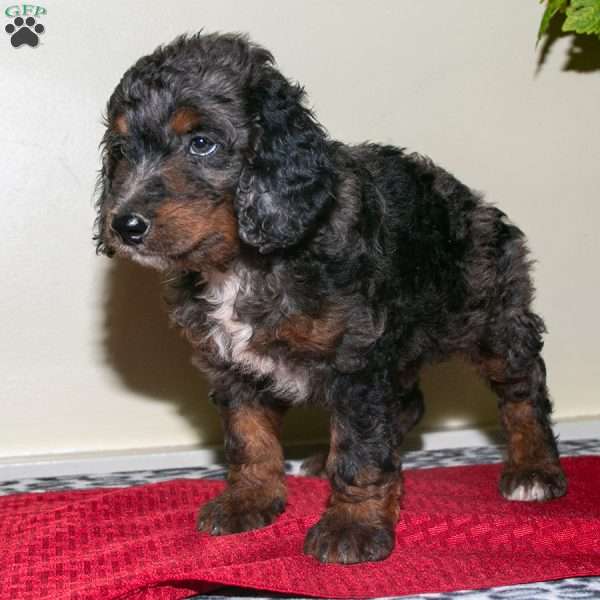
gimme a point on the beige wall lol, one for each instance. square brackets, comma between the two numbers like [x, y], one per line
[87, 361]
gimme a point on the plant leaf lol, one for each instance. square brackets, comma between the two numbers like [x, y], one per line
[552, 8]
[583, 16]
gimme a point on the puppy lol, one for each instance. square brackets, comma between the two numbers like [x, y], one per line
[310, 271]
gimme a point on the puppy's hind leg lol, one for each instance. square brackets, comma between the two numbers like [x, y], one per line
[532, 470]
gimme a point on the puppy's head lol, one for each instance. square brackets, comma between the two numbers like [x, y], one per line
[206, 145]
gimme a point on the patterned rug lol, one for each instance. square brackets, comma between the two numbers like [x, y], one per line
[573, 589]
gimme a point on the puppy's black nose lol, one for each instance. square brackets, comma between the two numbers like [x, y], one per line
[131, 228]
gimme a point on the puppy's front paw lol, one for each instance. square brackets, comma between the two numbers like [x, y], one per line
[533, 483]
[335, 539]
[234, 512]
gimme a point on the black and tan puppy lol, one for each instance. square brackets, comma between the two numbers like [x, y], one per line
[309, 271]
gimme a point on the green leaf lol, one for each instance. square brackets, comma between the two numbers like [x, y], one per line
[552, 8]
[583, 16]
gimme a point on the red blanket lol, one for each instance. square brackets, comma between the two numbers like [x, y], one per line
[455, 532]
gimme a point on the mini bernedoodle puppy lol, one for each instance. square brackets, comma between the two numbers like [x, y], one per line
[310, 271]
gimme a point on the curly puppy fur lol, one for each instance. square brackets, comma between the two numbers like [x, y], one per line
[308, 270]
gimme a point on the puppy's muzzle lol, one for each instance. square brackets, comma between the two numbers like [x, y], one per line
[131, 228]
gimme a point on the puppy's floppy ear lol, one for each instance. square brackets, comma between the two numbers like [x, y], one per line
[101, 192]
[289, 178]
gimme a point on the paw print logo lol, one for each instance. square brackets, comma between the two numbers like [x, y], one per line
[24, 32]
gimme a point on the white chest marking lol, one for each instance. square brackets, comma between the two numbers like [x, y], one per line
[232, 338]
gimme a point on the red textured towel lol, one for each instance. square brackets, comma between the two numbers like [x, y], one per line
[455, 532]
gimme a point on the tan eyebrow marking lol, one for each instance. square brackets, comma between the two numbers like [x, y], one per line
[120, 125]
[184, 120]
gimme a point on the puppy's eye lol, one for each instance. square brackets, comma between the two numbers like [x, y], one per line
[202, 146]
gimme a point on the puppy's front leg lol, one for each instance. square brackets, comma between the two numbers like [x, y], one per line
[364, 469]
[256, 492]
